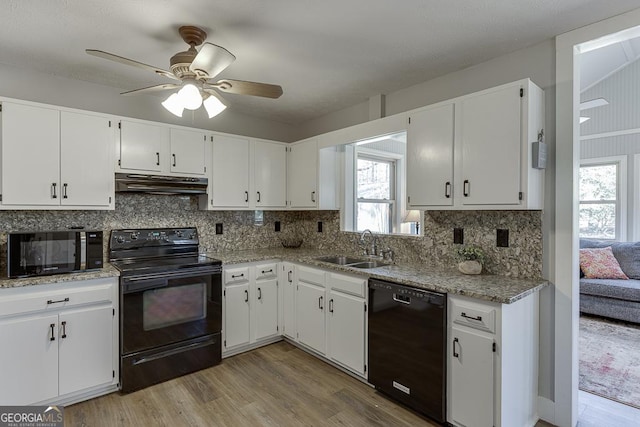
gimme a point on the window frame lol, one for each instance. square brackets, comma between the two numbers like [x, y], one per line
[392, 159]
[621, 193]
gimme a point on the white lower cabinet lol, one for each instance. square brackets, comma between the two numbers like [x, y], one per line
[288, 315]
[59, 341]
[493, 362]
[310, 309]
[346, 330]
[251, 301]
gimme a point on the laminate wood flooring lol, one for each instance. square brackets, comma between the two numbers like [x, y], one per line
[276, 385]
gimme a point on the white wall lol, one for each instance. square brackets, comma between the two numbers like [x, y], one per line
[29, 85]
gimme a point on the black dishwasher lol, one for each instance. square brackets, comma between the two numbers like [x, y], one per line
[407, 346]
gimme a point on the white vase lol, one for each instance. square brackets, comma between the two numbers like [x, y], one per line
[470, 267]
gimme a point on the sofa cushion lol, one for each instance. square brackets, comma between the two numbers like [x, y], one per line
[628, 290]
[627, 254]
[599, 263]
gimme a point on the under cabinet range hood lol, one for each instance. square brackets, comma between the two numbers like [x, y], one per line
[155, 184]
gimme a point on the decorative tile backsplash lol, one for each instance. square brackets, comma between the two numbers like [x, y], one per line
[523, 257]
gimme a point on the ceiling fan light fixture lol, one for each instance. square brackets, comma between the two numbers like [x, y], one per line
[190, 96]
[214, 105]
[173, 104]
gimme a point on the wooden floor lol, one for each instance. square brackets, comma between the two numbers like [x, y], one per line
[277, 385]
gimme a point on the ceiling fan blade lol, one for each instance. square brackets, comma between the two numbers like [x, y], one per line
[155, 88]
[127, 61]
[242, 87]
[211, 59]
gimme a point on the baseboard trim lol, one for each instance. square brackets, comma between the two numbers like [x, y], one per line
[249, 347]
[547, 410]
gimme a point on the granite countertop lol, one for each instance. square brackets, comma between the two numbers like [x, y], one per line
[107, 271]
[501, 289]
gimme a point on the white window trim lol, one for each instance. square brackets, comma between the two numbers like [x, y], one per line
[621, 190]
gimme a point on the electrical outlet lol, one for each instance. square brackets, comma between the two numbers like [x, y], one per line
[458, 236]
[319, 226]
[277, 226]
[218, 228]
[502, 238]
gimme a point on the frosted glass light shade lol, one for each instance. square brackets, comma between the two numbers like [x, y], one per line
[190, 97]
[213, 105]
[174, 105]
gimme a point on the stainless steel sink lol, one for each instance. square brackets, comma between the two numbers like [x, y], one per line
[368, 264]
[340, 260]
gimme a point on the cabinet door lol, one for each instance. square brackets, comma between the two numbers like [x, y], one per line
[491, 141]
[236, 315]
[430, 157]
[289, 302]
[310, 305]
[230, 183]
[302, 163]
[270, 174]
[472, 383]
[187, 152]
[142, 146]
[86, 154]
[265, 309]
[86, 348]
[28, 360]
[30, 155]
[346, 332]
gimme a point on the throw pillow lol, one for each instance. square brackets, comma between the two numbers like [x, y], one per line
[599, 263]
[627, 254]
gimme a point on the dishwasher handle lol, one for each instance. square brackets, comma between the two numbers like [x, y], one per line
[404, 299]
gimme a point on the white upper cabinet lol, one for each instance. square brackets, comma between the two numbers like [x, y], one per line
[68, 156]
[475, 152]
[430, 136]
[188, 152]
[229, 185]
[142, 146]
[269, 174]
[302, 175]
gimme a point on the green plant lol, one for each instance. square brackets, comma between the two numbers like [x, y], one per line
[471, 253]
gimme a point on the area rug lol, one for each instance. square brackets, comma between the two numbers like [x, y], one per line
[610, 359]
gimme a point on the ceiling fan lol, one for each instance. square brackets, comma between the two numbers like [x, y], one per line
[195, 70]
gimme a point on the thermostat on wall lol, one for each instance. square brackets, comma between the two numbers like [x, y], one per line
[539, 153]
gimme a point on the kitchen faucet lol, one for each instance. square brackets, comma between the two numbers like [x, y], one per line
[373, 247]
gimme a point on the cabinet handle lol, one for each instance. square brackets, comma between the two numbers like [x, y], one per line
[258, 197]
[465, 188]
[174, 160]
[235, 276]
[64, 191]
[64, 329]
[455, 341]
[313, 196]
[331, 305]
[447, 189]
[58, 301]
[289, 276]
[267, 271]
[320, 303]
[246, 295]
[259, 294]
[157, 159]
[246, 196]
[53, 190]
[478, 318]
[53, 336]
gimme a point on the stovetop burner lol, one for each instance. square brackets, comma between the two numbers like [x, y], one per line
[157, 250]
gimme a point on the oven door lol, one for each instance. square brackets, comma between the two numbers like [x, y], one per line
[162, 309]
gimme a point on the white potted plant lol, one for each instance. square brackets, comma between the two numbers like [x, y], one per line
[471, 260]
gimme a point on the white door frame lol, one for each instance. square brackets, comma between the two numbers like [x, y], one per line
[564, 268]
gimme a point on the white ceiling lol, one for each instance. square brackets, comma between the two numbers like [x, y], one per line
[598, 64]
[326, 54]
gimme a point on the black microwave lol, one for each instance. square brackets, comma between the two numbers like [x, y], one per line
[42, 253]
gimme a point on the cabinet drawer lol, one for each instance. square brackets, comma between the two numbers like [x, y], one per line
[346, 284]
[482, 318]
[236, 275]
[311, 275]
[56, 296]
[266, 271]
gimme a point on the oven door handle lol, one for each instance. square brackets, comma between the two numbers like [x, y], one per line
[172, 275]
[130, 288]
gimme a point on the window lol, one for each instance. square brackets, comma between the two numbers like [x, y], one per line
[602, 198]
[375, 192]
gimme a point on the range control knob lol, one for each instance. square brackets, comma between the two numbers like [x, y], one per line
[120, 239]
[134, 235]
